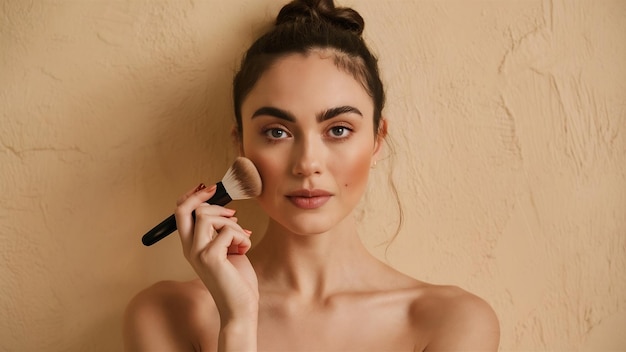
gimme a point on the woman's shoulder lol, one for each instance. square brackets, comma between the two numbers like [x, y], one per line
[448, 301]
[173, 297]
[167, 314]
[456, 318]
[440, 303]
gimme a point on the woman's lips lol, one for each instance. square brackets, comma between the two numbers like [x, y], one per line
[309, 199]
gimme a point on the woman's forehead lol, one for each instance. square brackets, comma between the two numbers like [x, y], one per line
[313, 80]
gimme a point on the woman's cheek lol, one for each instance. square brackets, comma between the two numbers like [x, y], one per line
[354, 168]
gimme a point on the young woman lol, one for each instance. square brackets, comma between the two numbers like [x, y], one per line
[308, 105]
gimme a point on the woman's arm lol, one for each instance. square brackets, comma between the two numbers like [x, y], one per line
[215, 246]
[238, 336]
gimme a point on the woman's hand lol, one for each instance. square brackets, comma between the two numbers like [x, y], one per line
[215, 246]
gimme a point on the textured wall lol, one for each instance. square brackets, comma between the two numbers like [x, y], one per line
[508, 121]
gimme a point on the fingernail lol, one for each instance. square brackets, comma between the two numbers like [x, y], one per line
[247, 231]
[210, 189]
[200, 187]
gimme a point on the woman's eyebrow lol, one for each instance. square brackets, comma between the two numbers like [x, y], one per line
[323, 116]
[332, 112]
[275, 112]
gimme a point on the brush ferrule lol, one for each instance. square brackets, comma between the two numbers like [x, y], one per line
[221, 196]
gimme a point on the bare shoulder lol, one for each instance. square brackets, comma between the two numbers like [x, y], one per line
[455, 319]
[170, 315]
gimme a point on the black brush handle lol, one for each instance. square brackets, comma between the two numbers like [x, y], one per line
[167, 226]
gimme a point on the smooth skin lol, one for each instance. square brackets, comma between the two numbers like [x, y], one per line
[310, 284]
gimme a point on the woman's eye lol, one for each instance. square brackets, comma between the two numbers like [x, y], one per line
[339, 131]
[275, 133]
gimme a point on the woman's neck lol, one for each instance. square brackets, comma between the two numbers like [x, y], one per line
[313, 266]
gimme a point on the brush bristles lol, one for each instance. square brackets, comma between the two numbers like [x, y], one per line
[242, 180]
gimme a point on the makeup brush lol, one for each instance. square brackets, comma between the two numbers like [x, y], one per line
[241, 181]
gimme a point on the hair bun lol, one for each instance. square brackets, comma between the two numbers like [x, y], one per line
[303, 11]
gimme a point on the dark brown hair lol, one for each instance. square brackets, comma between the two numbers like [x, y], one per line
[303, 26]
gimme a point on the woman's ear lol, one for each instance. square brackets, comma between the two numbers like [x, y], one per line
[235, 134]
[380, 138]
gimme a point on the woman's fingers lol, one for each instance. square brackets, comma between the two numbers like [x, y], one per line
[209, 221]
[228, 240]
[192, 191]
[186, 205]
[231, 239]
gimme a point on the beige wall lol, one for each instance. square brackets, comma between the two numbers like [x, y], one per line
[508, 120]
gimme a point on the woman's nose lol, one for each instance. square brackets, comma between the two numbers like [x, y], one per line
[307, 157]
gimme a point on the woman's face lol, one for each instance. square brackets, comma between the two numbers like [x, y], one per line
[308, 127]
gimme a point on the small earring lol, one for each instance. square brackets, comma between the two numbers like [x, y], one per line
[374, 165]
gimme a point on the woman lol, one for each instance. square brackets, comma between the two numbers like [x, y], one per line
[308, 104]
